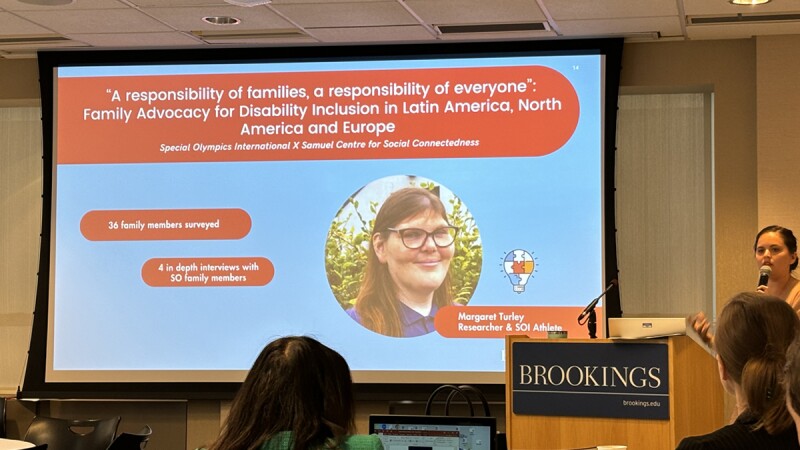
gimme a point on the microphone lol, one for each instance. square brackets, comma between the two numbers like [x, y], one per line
[590, 307]
[763, 275]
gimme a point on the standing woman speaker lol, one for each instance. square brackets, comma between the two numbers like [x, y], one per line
[775, 251]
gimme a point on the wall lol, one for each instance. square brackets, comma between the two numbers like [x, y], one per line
[20, 192]
[730, 68]
[753, 137]
[19, 80]
[778, 62]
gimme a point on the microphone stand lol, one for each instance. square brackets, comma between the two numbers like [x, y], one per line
[589, 316]
[591, 324]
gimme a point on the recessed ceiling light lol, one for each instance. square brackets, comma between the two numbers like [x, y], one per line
[222, 20]
[749, 2]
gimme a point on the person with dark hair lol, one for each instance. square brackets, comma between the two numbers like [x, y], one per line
[297, 396]
[791, 382]
[776, 248]
[753, 332]
[407, 277]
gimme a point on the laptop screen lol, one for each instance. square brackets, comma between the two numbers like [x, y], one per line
[409, 432]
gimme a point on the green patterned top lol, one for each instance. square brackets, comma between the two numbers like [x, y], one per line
[283, 441]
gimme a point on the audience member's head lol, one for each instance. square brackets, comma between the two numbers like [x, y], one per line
[296, 384]
[753, 333]
[792, 381]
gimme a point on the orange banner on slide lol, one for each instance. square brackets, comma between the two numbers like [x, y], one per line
[165, 224]
[499, 321]
[332, 115]
[207, 272]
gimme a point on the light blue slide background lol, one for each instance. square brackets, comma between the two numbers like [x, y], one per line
[550, 206]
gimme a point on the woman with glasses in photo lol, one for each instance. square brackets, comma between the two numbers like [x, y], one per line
[407, 278]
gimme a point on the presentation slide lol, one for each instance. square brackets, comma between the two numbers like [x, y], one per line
[202, 210]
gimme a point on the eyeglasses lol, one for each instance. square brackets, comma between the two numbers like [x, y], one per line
[415, 238]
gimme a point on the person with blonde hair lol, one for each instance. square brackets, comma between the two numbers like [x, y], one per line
[297, 396]
[753, 332]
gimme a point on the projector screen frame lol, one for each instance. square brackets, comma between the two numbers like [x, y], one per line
[34, 382]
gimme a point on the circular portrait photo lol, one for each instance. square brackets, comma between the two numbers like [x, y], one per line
[400, 249]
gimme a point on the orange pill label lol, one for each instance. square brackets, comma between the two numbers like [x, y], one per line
[207, 272]
[165, 224]
[500, 321]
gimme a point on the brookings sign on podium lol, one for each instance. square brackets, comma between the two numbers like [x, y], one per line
[625, 380]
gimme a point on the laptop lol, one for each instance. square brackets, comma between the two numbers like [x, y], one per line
[420, 432]
[645, 327]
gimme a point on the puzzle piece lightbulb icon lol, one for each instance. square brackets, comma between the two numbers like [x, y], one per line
[518, 265]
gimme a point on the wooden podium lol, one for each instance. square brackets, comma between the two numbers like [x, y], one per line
[696, 405]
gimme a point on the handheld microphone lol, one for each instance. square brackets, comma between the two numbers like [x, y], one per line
[590, 307]
[763, 275]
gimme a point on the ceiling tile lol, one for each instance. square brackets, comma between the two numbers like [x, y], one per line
[99, 21]
[191, 18]
[16, 5]
[177, 3]
[11, 24]
[476, 11]
[608, 9]
[337, 15]
[118, 23]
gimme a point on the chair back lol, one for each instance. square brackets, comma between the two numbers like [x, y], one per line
[132, 441]
[72, 434]
[2, 417]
